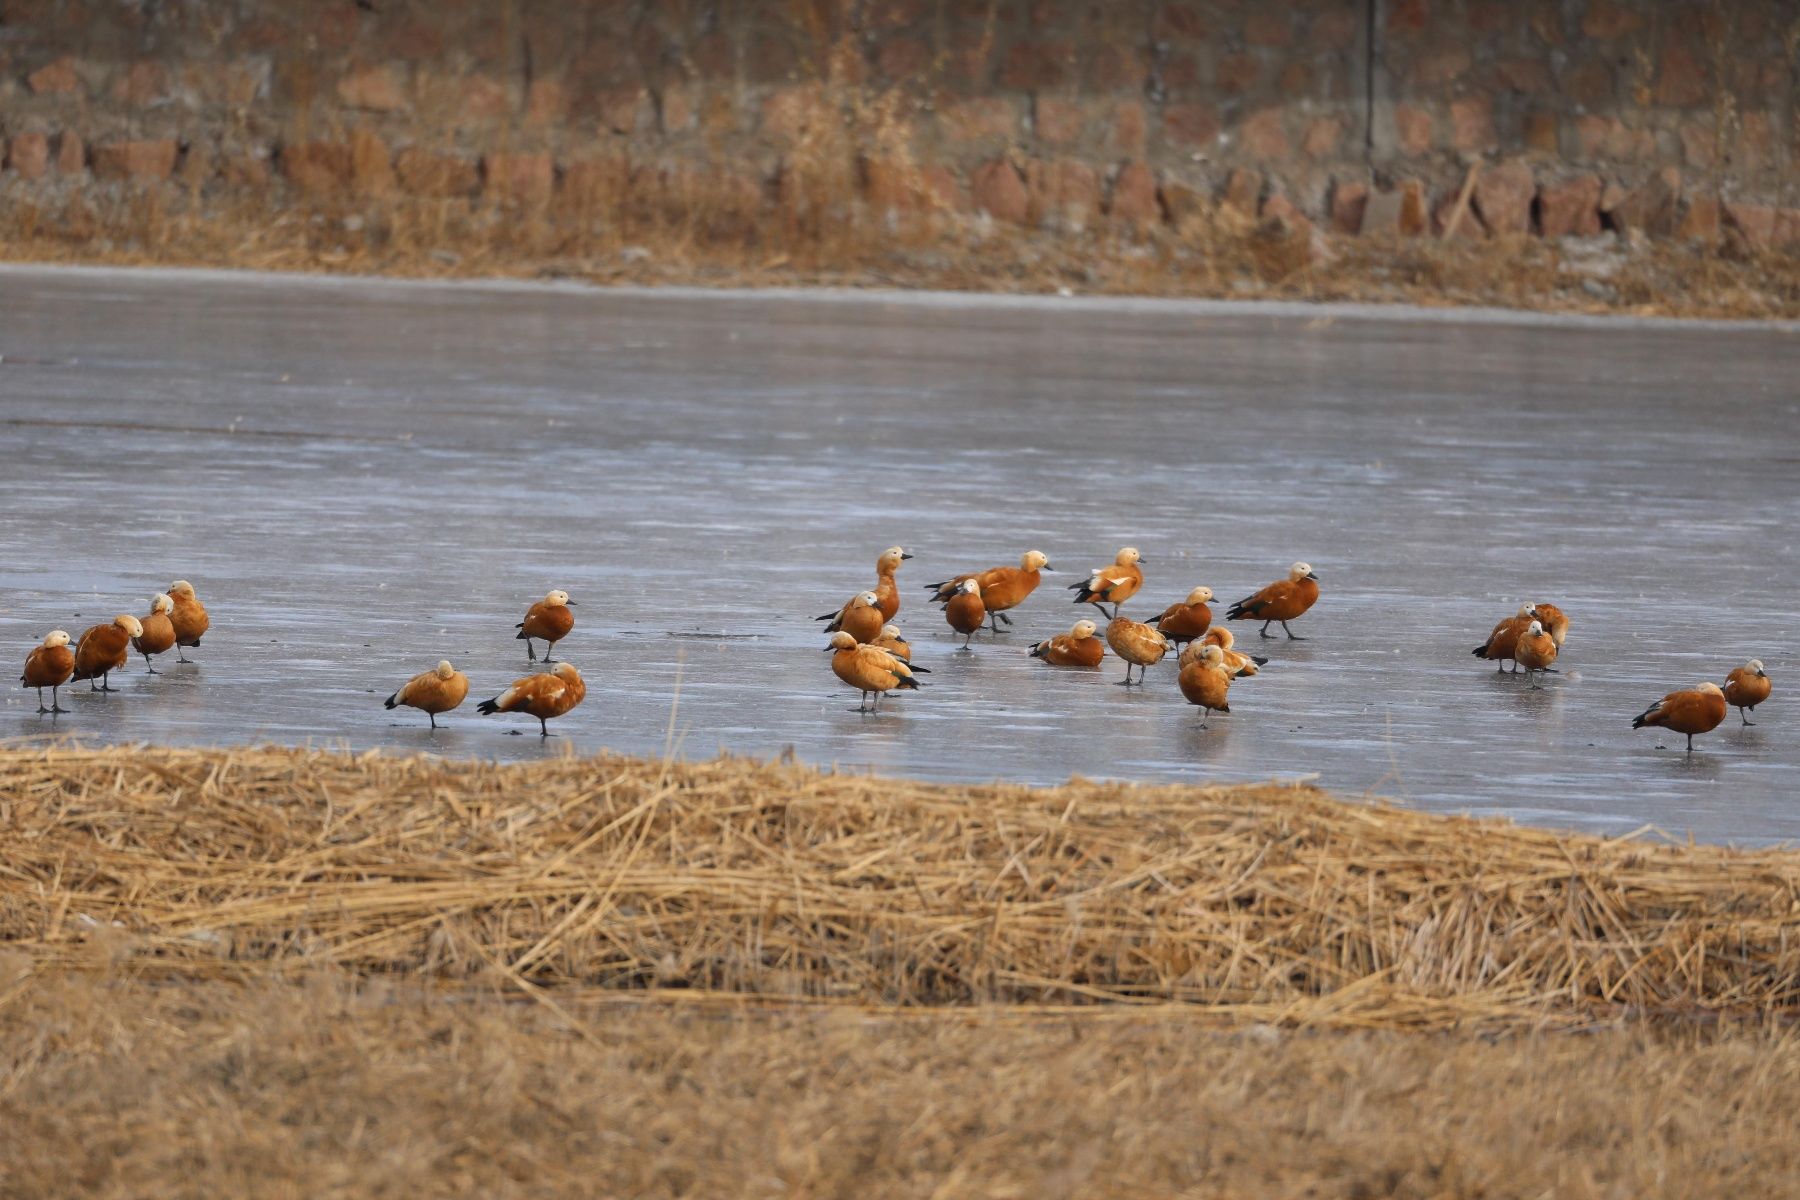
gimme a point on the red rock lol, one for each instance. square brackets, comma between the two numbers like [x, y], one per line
[29, 155]
[1701, 222]
[1034, 66]
[622, 109]
[1591, 84]
[58, 77]
[1570, 208]
[1408, 16]
[482, 99]
[1133, 196]
[900, 59]
[1336, 28]
[675, 109]
[1698, 145]
[249, 172]
[1401, 211]
[998, 191]
[527, 178]
[1127, 127]
[71, 154]
[1113, 67]
[597, 183]
[424, 173]
[142, 85]
[373, 89]
[1268, 27]
[1279, 208]
[1182, 202]
[943, 189]
[1180, 70]
[546, 102]
[1062, 193]
[1441, 65]
[1609, 19]
[1323, 136]
[979, 119]
[1527, 76]
[1349, 200]
[1541, 132]
[1472, 124]
[1681, 81]
[371, 166]
[1296, 78]
[1191, 124]
[315, 168]
[1243, 192]
[1237, 73]
[1058, 122]
[1412, 130]
[1503, 194]
[789, 112]
[1262, 137]
[1753, 223]
[141, 160]
[1652, 206]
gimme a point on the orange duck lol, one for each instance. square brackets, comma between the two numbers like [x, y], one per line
[541, 696]
[102, 650]
[1535, 652]
[1182, 623]
[188, 617]
[1076, 648]
[159, 631]
[887, 596]
[1282, 601]
[1112, 585]
[1698, 709]
[1138, 644]
[49, 666]
[1205, 683]
[549, 620]
[1747, 687]
[435, 691]
[1504, 639]
[868, 670]
[861, 618]
[966, 611]
[1002, 588]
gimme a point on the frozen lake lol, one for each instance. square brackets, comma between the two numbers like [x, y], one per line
[364, 477]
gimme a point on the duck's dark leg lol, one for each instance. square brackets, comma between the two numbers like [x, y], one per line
[42, 709]
[54, 706]
[1292, 636]
[1264, 631]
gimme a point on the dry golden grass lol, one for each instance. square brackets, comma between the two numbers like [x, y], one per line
[116, 1085]
[718, 230]
[734, 880]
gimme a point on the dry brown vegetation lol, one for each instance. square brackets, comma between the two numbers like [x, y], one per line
[113, 1084]
[733, 879]
[284, 972]
[711, 230]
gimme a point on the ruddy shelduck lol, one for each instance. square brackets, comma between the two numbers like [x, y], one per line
[1076, 648]
[1205, 683]
[1747, 687]
[188, 616]
[1698, 709]
[1280, 602]
[1504, 639]
[1002, 588]
[1112, 585]
[1235, 661]
[966, 611]
[1556, 622]
[159, 631]
[1536, 651]
[861, 618]
[49, 665]
[103, 650]
[542, 696]
[1182, 623]
[868, 670]
[1140, 645]
[887, 596]
[549, 620]
[435, 691]
[894, 642]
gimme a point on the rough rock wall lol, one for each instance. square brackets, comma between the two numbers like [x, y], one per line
[1366, 114]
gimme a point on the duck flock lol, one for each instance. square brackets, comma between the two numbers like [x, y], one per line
[869, 653]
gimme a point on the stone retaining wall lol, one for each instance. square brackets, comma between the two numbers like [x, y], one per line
[1359, 114]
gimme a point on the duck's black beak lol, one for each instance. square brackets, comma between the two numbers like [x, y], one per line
[905, 555]
[1047, 567]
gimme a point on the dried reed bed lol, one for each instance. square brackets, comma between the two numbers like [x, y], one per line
[712, 230]
[113, 1085]
[734, 879]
